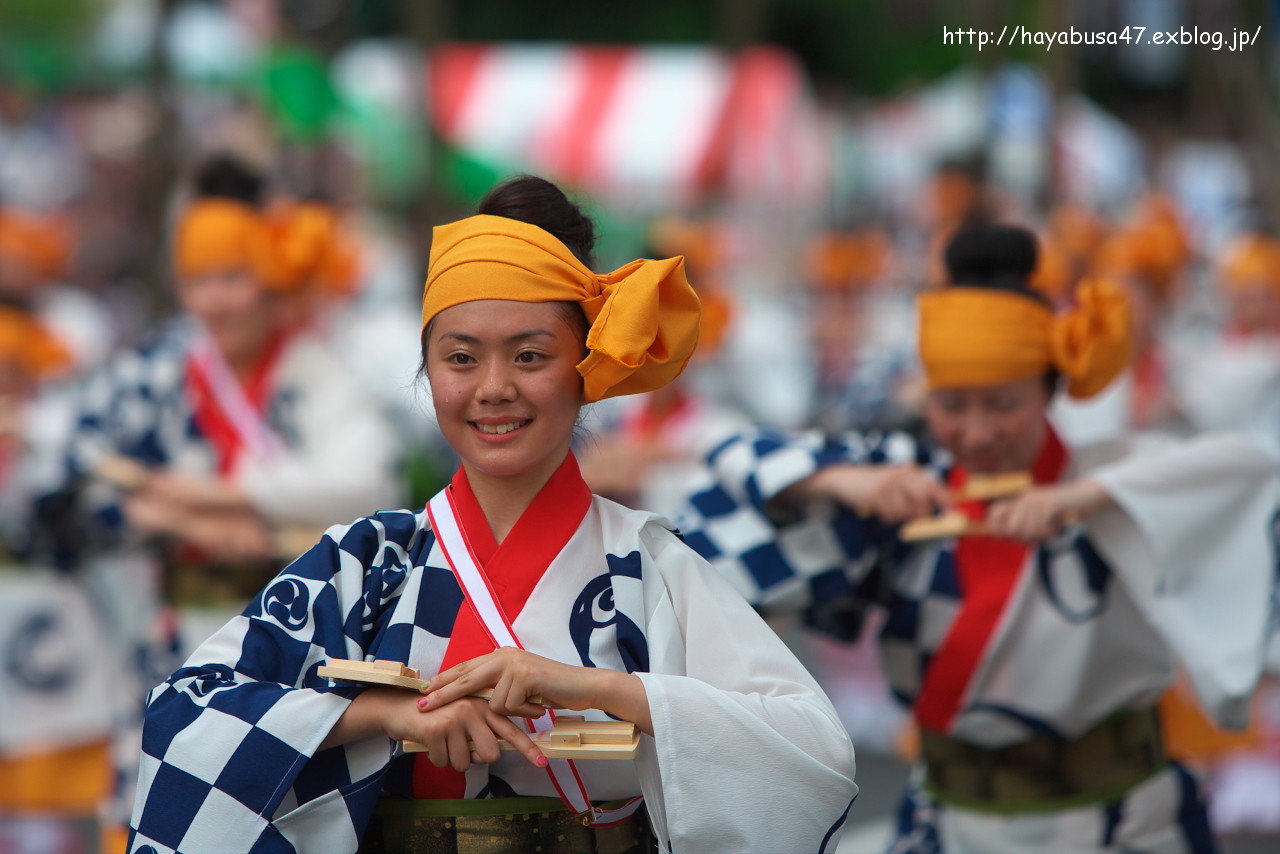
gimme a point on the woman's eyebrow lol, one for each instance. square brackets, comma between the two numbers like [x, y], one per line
[519, 336]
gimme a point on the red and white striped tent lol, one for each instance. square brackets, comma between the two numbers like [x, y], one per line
[640, 126]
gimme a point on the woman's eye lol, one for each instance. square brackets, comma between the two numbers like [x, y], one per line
[526, 357]
[458, 358]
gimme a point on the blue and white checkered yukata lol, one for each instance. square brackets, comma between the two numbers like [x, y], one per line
[747, 752]
[993, 643]
[326, 454]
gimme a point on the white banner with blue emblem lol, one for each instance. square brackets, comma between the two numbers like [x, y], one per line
[55, 671]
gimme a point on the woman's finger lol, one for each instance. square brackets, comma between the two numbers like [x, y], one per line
[484, 744]
[507, 730]
[459, 749]
[511, 695]
[437, 750]
[457, 682]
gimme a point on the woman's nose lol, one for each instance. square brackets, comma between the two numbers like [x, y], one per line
[496, 385]
[977, 431]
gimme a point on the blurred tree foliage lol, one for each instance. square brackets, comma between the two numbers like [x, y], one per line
[41, 41]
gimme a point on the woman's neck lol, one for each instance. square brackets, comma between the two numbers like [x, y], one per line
[504, 499]
[247, 362]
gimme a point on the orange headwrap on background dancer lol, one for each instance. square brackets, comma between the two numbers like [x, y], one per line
[308, 249]
[26, 343]
[218, 235]
[973, 336]
[289, 248]
[1251, 262]
[41, 243]
[643, 316]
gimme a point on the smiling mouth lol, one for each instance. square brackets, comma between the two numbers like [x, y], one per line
[499, 429]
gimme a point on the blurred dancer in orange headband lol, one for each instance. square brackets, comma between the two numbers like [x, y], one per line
[1234, 383]
[196, 457]
[36, 254]
[516, 578]
[642, 447]
[1147, 257]
[55, 769]
[1233, 378]
[1032, 633]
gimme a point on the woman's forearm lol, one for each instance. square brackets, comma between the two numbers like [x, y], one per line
[623, 696]
[363, 718]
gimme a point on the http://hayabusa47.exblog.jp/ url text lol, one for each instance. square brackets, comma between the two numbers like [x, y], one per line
[1018, 35]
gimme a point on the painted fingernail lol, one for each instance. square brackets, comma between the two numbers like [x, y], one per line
[542, 762]
[422, 704]
[424, 686]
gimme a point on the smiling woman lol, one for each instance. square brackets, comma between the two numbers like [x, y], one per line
[570, 599]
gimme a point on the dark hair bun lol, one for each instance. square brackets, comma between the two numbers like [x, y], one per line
[539, 202]
[228, 177]
[996, 256]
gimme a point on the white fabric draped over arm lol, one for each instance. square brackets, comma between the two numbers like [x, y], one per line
[1191, 538]
[748, 754]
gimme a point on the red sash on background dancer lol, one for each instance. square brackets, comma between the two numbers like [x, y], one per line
[496, 589]
[231, 415]
[988, 569]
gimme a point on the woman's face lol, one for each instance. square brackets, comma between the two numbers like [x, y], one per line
[505, 385]
[236, 310]
[996, 428]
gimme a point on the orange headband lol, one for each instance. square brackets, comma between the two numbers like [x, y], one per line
[643, 316]
[287, 249]
[983, 336]
[26, 343]
[41, 243]
[216, 235]
[1250, 261]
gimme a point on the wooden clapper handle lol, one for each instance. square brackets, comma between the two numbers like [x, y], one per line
[954, 523]
[572, 737]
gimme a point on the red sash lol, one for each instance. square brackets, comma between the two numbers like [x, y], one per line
[988, 569]
[230, 414]
[513, 569]
[643, 423]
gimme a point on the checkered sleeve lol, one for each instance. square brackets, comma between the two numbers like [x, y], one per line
[230, 748]
[816, 557]
[125, 408]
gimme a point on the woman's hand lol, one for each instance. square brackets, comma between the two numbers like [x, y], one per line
[1041, 512]
[196, 493]
[148, 514]
[228, 535]
[457, 735]
[461, 733]
[516, 676]
[892, 493]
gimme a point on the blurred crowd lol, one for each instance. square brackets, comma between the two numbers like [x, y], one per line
[142, 499]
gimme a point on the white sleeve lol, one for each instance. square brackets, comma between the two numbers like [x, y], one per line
[1190, 537]
[343, 464]
[748, 754]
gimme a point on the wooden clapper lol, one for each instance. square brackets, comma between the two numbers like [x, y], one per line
[953, 523]
[572, 737]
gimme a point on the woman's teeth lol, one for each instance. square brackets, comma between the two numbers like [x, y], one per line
[501, 428]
